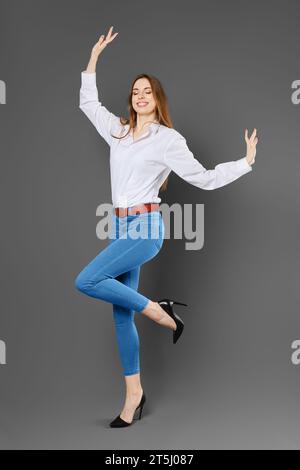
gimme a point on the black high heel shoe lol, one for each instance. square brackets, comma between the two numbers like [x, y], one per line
[118, 422]
[167, 305]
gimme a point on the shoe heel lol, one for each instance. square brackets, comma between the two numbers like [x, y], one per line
[141, 410]
[178, 303]
[141, 405]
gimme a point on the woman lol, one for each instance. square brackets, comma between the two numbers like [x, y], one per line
[144, 149]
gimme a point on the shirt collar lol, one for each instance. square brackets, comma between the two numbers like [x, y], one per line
[151, 130]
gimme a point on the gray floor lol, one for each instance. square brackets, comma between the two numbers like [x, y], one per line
[206, 417]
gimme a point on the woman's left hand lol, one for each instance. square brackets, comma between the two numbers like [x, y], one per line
[251, 146]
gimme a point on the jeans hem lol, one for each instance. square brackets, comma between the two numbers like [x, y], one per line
[131, 373]
[139, 309]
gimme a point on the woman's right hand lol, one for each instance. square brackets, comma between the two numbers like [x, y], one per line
[102, 43]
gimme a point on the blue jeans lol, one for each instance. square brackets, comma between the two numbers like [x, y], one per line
[113, 276]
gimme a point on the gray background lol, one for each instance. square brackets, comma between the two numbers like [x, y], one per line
[229, 383]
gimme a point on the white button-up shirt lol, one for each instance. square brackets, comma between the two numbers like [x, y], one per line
[138, 167]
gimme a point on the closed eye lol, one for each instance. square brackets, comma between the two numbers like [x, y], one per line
[147, 93]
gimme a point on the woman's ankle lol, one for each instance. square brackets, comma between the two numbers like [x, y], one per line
[133, 393]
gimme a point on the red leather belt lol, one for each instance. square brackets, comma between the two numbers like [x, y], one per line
[138, 209]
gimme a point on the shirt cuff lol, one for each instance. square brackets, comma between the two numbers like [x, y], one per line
[88, 78]
[244, 165]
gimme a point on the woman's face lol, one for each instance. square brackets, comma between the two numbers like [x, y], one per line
[142, 97]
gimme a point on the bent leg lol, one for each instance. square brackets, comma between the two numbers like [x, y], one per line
[98, 278]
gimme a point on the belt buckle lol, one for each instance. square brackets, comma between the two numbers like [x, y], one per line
[139, 208]
[131, 210]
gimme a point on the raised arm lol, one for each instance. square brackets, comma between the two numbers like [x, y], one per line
[89, 103]
[181, 160]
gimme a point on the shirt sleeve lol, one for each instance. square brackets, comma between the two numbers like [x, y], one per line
[181, 160]
[101, 118]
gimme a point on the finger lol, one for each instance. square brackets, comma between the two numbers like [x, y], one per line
[246, 135]
[101, 39]
[109, 32]
[253, 135]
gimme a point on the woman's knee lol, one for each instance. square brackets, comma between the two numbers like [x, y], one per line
[88, 285]
[81, 282]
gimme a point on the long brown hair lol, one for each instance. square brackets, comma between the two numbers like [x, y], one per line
[162, 115]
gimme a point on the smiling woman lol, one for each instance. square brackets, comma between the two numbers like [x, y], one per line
[144, 149]
[147, 104]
